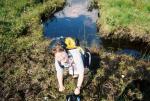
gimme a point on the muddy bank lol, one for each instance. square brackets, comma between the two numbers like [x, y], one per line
[139, 46]
[126, 35]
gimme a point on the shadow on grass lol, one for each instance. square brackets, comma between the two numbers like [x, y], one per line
[138, 89]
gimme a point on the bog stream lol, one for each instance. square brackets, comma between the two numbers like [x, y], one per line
[76, 20]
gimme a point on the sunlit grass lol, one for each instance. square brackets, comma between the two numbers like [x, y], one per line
[131, 14]
[21, 21]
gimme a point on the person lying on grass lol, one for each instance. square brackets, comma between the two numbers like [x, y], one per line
[71, 59]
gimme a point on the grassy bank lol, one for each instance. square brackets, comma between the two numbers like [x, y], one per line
[23, 50]
[21, 24]
[125, 19]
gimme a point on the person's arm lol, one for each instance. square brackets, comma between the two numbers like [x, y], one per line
[59, 75]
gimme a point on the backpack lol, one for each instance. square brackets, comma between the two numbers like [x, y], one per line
[74, 43]
[69, 43]
[73, 97]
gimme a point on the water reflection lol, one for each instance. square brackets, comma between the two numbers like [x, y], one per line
[130, 52]
[74, 20]
[76, 9]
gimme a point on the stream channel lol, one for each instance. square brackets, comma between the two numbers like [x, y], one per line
[75, 20]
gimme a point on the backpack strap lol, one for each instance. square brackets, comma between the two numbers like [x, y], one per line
[62, 66]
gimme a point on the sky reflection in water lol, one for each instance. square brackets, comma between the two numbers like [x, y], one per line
[74, 20]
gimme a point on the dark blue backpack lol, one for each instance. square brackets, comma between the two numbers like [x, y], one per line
[73, 97]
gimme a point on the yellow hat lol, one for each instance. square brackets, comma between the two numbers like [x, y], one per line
[70, 42]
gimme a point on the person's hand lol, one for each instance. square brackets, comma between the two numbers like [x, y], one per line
[77, 91]
[61, 89]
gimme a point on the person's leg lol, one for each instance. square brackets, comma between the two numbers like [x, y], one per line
[79, 68]
[79, 83]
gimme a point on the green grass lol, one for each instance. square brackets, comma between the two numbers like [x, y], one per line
[131, 14]
[20, 22]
